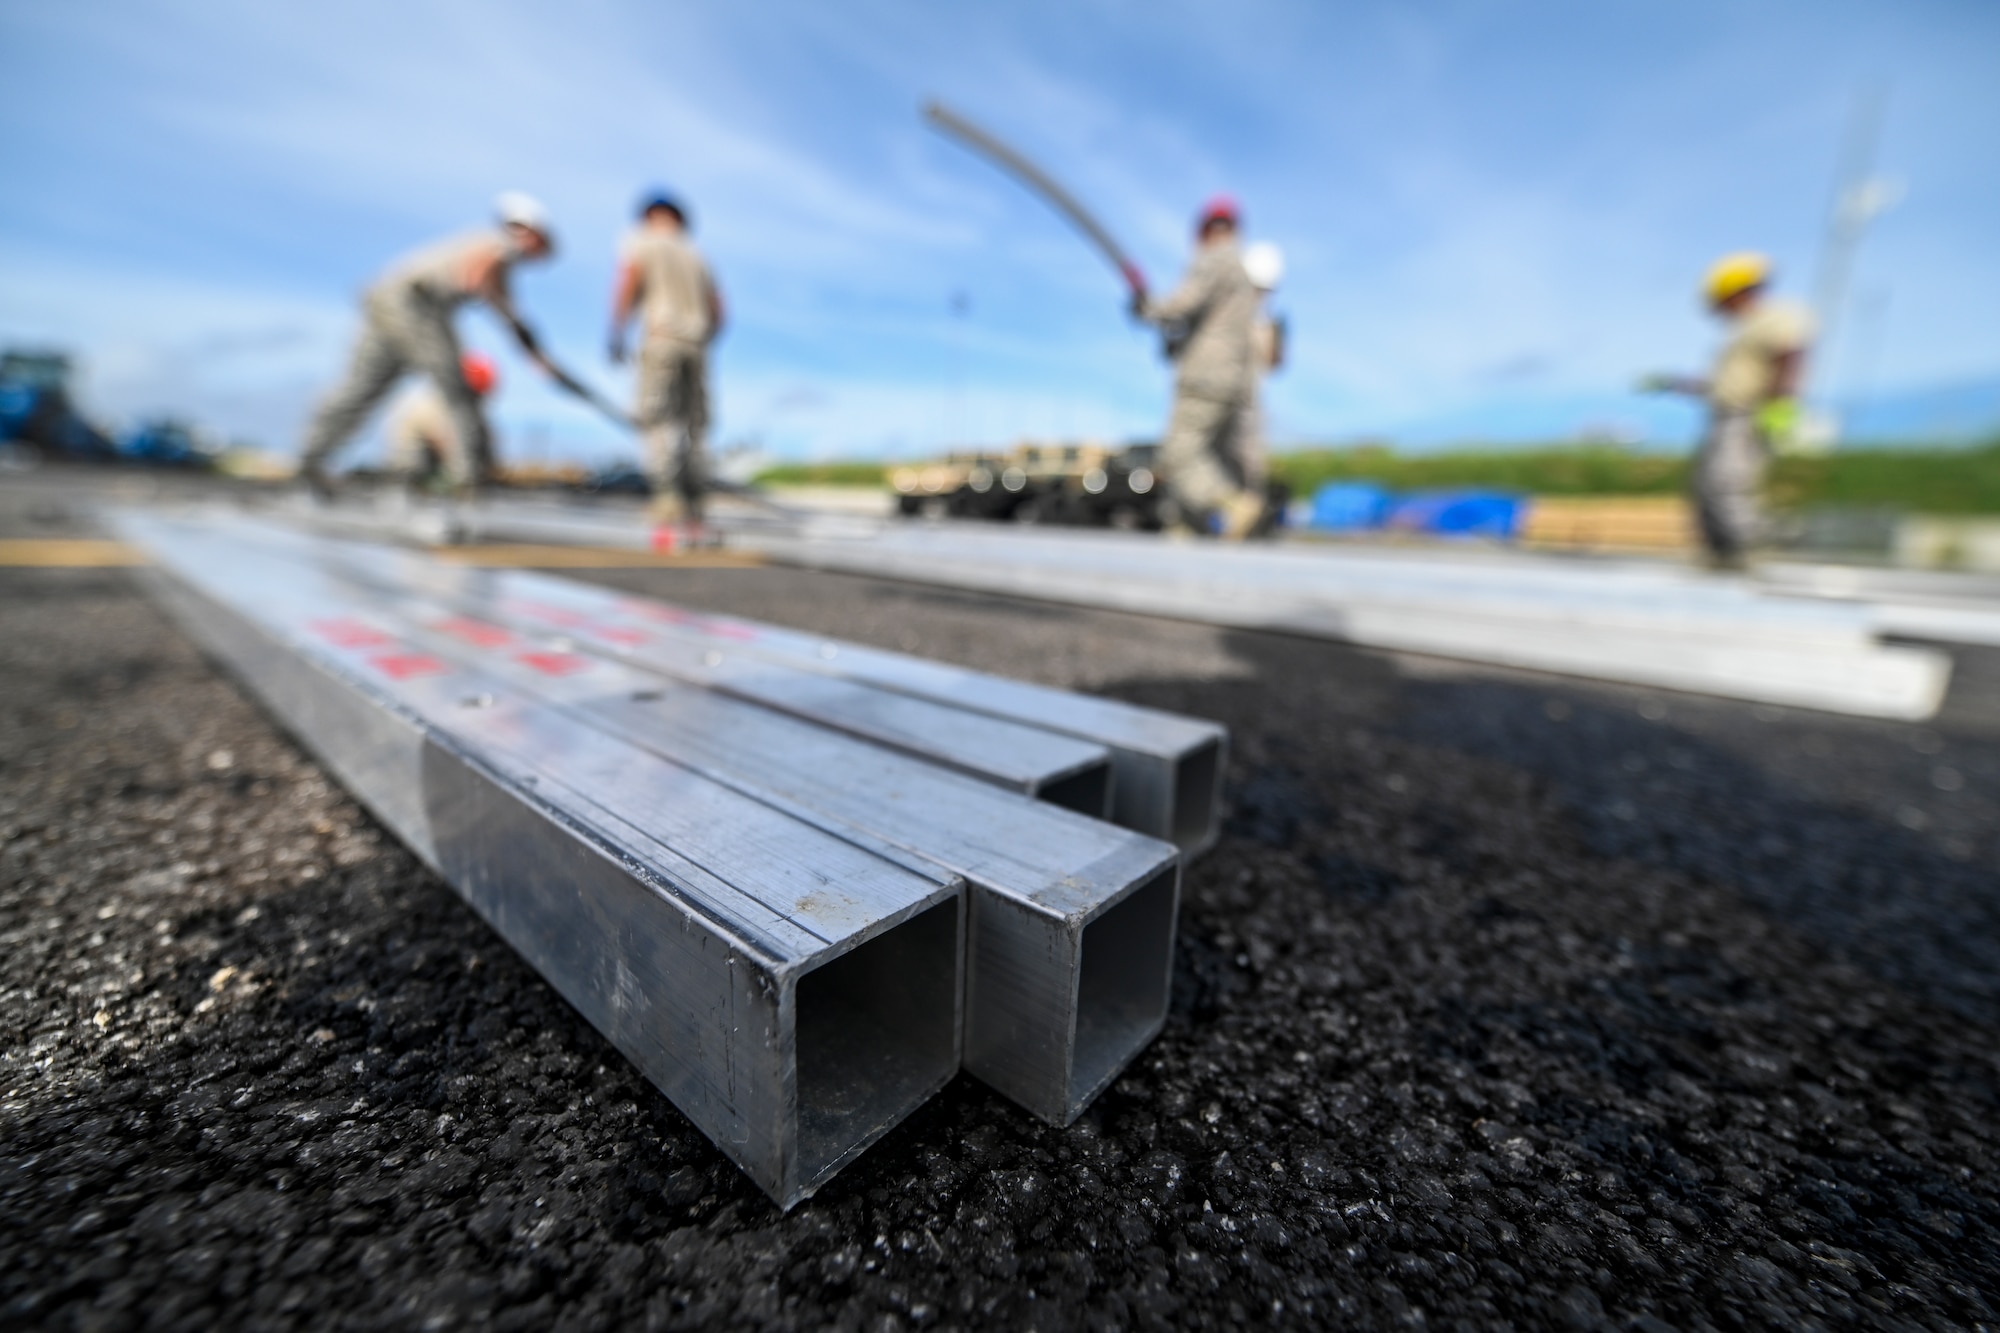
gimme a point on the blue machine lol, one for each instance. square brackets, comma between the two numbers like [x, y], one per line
[35, 408]
[166, 442]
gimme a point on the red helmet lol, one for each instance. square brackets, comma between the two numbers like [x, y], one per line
[481, 376]
[1222, 208]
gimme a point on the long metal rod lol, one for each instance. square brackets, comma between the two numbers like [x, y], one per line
[949, 122]
[1680, 637]
[1071, 919]
[1167, 769]
[1064, 770]
[794, 994]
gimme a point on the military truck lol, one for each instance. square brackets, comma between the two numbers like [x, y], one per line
[1082, 485]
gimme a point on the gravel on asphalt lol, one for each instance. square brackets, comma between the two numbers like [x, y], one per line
[1505, 1000]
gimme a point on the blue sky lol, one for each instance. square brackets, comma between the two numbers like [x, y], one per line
[1494, 214]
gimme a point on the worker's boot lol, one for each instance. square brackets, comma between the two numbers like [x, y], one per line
[318, 484]
[1240, 516]
[666, 510]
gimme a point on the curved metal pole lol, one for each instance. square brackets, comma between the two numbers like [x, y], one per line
[947, 121]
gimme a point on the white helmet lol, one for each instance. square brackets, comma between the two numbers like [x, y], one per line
[524, 210]
[1265, 263]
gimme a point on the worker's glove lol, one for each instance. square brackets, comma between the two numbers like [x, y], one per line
[615, 349]
[1778, 422]
[1137, 305]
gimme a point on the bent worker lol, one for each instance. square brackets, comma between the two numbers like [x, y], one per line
[1753, 409]
[407, 326]
[424, 446]
[664, 280]
[1208, 322]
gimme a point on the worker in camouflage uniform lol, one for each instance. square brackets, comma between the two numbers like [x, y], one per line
[1209, 323]
[424, 445]
[407, 326]
[663, 279]
[1265, 264]
[1753, 409]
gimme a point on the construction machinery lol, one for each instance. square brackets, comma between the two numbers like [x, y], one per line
[37, 410]
[1086, 484]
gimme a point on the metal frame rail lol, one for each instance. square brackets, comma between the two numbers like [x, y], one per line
[1680, 634]
[1167, 769]
[796, 995]
[1061, 769]
[1071, 919]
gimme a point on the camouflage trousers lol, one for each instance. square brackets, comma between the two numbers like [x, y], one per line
[672, 412]
[1201, 453]
[400, 335]
[1728, 485]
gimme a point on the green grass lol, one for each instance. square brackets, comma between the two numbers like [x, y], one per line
[1936, 481]
[1580, 470]
[825, 474]
[1922, 480]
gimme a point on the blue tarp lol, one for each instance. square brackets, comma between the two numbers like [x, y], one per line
[1350, 506]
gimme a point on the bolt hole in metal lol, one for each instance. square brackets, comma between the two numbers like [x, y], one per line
[476, 701]
[647, 696]
[877, 1032]
[1122, 984]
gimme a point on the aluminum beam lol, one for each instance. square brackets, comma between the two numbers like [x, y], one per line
[1639, 628]
[1061, 769]
[795, 995]
[1167, 769]
[1070, 948]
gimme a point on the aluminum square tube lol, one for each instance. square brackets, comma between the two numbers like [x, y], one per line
[1627, 625]
[1071, 920]
[1166, 769]
[1063, 770]
[795, 995]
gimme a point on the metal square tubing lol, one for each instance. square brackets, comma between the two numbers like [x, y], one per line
[795, 995]
[1060, 769]
[1166, 769]
[1070, 948]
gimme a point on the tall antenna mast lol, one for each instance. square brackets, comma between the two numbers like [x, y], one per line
[1859, 197]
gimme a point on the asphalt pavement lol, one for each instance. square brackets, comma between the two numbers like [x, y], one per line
[1504, 1001]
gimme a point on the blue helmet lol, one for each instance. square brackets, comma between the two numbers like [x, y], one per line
[667, 199]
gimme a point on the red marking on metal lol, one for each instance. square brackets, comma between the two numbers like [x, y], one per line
[554, 615]
[402, 666]
[663, 541]
[350, 633]
[722, 629]
[630, 638]
[553, 664]
[669, 615]
[476, 632]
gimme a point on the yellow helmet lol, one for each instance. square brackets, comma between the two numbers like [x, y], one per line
[1734, 274]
